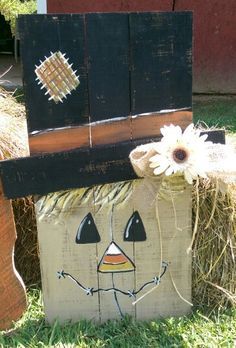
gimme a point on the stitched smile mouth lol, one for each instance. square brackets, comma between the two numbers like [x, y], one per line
[131, 293]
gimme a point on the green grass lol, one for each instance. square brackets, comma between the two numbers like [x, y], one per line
[215, 111]
[198, 330]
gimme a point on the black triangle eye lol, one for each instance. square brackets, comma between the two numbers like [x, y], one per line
[87, 231]
[134, 231]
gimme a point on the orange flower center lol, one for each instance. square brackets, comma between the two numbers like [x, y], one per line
[180, 155]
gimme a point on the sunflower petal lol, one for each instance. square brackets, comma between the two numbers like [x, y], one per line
[203, 137]
[159, 170]
[156, 158]
[188, 131]
[169, 171]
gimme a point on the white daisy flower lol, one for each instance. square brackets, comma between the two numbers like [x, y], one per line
[179, 152]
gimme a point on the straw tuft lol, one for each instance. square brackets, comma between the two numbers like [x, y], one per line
[214, 248]
[14, 143]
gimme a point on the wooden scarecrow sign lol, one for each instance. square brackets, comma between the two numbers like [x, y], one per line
[97, 86]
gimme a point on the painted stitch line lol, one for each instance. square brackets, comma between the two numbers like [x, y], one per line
[130, 293]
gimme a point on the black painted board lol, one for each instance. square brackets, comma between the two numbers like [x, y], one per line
[161, 52]
[66, 170]
[60, 171]
[216, 136]
[40, 34]
[107, 38]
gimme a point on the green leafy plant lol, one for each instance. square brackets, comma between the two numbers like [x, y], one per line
[10, 9]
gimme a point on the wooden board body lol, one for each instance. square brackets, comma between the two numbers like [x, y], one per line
[12, 290]
[167, 224]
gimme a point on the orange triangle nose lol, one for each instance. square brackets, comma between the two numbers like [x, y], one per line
[114, 260]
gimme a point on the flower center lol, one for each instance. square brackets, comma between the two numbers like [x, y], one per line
[180, 155]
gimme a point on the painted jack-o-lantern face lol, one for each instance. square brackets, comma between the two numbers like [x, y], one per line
[114, 259]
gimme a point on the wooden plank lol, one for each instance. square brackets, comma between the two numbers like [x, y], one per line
[12, 290]
[109, 132]
[107, 40]
[59, 171]
[167, 221]
[148, 126]
[40, 34]
[80, 6]
[161, 49]
[63, 299]
[59, 140]
[111, 219]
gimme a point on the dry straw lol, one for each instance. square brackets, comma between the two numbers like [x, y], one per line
[14, 143]
[214, 247]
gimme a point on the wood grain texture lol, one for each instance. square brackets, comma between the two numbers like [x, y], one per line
[59, 140]
[109, 132]
[112, 226]
[12, 290]
[107, 37]
[40, 34]
[65, 300]
[167, 240]
[161, 54]
[127, 64]
[59, 171]
[64, 170]
[148, 126]
[59, 251]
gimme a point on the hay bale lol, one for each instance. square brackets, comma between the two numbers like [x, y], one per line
[14, 143]
[214, 249]
[13, 130]
[26, 248]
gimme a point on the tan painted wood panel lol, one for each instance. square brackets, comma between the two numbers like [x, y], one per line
[64, 299]
[112, 225]
[163, 301]
[58, 251]
[176, 223]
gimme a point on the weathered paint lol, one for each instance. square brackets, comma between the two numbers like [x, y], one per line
[81, 6]
[214, 34]
[214, 51]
